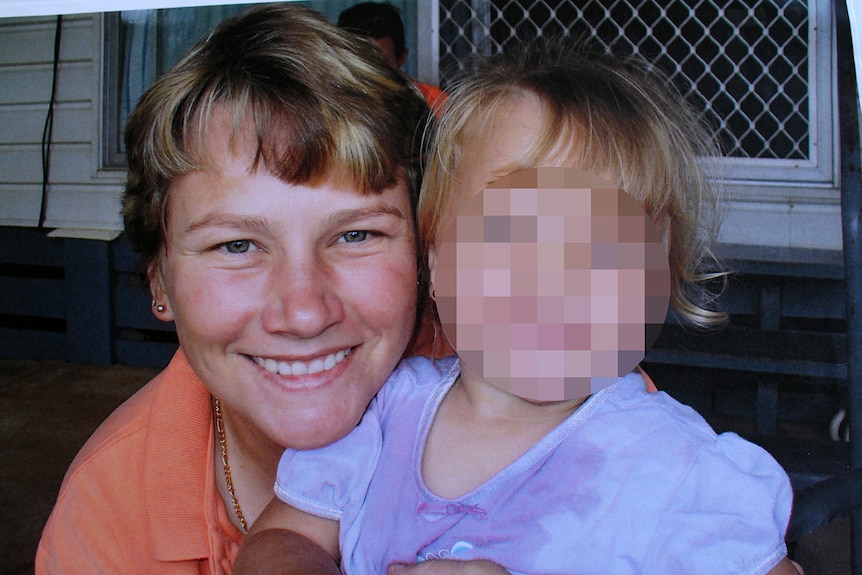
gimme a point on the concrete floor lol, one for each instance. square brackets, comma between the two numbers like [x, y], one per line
[49, 408]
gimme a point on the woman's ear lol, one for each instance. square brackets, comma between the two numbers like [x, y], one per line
[161, 305]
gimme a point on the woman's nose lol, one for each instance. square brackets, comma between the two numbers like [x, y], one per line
[303, 301]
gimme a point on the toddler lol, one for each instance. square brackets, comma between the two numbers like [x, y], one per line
[540, 448]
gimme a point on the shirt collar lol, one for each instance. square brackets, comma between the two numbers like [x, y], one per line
[179, 480]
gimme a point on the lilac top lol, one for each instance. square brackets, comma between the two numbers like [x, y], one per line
[632, 482]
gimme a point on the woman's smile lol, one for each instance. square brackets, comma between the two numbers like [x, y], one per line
[294, 302]
[298, 367]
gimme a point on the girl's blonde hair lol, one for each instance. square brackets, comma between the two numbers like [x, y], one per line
[610, 116]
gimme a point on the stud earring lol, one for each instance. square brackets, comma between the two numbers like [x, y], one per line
[159, 307]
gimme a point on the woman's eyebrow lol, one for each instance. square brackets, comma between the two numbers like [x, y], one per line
[259, 225]
[344, 217]
[247, 223]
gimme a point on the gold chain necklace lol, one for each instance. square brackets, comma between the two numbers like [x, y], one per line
[222, 439]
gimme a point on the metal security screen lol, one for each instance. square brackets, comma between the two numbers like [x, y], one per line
[744, 63]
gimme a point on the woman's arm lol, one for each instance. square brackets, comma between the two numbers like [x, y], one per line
[449, 567]
[283, 552]
[786, 567]
[287, 541]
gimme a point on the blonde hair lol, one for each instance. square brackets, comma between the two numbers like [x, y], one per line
[316, 100]
[609, 116]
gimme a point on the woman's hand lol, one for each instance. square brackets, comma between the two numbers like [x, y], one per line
[447, 567]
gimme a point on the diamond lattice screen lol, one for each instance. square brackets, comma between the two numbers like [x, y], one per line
[743, 63]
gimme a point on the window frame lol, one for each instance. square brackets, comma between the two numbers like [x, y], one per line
[813, 180]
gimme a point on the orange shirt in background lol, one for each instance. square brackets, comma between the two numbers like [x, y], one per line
[432, 94]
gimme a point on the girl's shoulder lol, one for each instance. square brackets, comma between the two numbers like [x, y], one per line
[631, 399]
[424, 368]
[421, 371]
[414, 379]
[640, 423]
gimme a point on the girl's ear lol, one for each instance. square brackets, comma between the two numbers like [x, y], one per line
[432, 265]
[161, 303]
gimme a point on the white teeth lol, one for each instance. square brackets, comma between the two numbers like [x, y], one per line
[298, 368]
[271, 365]
[329, 362]
[302, 367]
[316, 366]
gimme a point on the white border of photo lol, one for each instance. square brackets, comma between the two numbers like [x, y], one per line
[10, 8]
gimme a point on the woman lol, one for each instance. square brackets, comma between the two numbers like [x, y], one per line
[273, 175]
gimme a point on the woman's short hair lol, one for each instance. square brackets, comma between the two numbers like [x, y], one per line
[316, 99]
[613, 117]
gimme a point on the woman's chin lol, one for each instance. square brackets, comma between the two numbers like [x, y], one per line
[319, 432]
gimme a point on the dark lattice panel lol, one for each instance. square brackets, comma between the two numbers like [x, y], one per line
[744, 63]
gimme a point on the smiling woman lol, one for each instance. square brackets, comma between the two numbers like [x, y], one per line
[273, 178]
[235, 229]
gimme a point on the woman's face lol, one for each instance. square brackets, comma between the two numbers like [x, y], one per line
[292, 303]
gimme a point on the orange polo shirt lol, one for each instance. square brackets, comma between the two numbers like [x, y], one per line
[140, 496]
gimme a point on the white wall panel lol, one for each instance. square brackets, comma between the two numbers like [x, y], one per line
[816, 226]
[79, 194]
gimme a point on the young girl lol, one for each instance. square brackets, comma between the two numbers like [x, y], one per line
[484, 474]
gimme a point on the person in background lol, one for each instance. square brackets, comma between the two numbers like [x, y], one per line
[381, 23]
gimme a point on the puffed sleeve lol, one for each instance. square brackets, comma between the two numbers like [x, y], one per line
[729, 514]
[325, 481]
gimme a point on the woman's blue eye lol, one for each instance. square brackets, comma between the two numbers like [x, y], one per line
[355, 236]
[238, 246]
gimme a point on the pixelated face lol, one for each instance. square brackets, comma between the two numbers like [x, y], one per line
[551, 283]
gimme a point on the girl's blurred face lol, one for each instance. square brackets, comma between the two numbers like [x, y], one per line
[292, 303]
[550, 282]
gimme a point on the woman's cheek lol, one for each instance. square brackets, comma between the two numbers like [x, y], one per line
[399, 289]
[232, 295]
